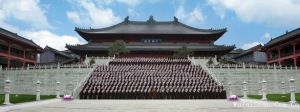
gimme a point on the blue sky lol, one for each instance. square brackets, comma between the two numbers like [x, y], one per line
[52, 22]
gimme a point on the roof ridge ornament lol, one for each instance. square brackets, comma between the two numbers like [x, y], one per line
[175, 19]
[126, 19]
[151, 19]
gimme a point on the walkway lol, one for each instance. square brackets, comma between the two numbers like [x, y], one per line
[151, 106]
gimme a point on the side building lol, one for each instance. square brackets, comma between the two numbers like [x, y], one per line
[17, 51]
[253, 55]
[53, 56]
[285, 49]
[151, 38]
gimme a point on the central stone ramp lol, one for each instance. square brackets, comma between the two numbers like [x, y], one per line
[151, 78]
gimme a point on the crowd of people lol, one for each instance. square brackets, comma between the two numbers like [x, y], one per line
[151, 79]
[149, 60]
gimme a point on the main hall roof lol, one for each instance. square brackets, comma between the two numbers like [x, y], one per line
[139, 46]
[149, 27]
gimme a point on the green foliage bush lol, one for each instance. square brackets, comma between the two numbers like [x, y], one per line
[24, 98]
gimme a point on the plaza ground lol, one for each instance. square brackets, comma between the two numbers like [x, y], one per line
[245, 105]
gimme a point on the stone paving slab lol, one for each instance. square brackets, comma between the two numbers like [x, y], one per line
[159, 106]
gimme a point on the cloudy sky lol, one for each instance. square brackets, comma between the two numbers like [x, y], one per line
[52, 22]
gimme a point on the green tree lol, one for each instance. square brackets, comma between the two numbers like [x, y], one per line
[223, 61]
[182, 52]
[92, 61]
[116, 48]
[210, 61]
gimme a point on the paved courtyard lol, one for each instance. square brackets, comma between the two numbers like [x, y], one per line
[151, 106]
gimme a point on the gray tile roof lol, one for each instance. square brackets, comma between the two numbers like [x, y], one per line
[57, 52]
[138, 46]
[283, 37]
[250, 50]
[150, 27]
[16, 37]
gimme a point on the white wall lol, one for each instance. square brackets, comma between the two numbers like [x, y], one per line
[23, 81]
[254, 75]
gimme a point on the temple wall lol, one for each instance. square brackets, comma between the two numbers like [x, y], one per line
[23, 81]
[253, 76]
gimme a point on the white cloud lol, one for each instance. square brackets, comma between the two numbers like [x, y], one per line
[196, 16]
[132, 12]
[192, 17]
[44, 37]
[106, 2]
[74, 16]
[130, 2]
[249, 45]
[267, 36]
[93, 15]
[180, 12]
[24, 10]
[271, 12]
[29, 12]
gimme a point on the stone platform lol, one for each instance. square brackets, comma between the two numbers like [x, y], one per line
[243, 105]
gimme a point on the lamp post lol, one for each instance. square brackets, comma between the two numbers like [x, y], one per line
[292, 90]
[282, 87]
[57, 89]
[230, 88]
[7, 91]
[245, 89]
[38, 90]
[264, 90]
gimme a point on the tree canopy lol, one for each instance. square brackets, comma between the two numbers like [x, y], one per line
[210, 61]
[116, 48]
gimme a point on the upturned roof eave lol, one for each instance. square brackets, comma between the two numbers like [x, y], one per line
[283, 37]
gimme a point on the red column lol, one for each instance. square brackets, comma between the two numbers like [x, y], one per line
[279, 57]
[8, 56]
[294, 54]
[24, 51]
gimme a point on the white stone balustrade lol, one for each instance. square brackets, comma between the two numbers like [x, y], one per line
[237, 74]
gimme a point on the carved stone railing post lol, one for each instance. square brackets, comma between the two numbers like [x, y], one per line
[58, 65]
[38, 90]
[282, 87]
[57, 89]
[292, 90]
[259, 88]
[264, 90]
[229, 88]
[245, 90]
[7, 92]
[27, 66]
